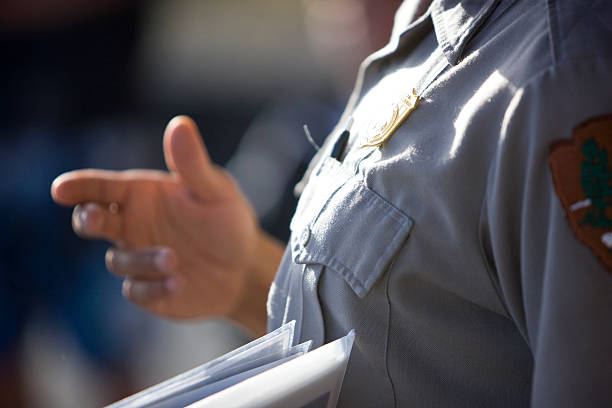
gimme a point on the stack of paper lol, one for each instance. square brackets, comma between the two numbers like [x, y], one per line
[268, 372]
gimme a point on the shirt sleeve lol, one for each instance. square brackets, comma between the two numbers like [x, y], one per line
[555, 287]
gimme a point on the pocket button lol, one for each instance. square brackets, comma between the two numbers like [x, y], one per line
[305, 237]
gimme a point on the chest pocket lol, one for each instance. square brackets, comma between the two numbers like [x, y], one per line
[346, 226]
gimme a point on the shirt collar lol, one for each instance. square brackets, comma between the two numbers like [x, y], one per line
[456, 22]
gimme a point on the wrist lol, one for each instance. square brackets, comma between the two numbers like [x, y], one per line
[250, 310]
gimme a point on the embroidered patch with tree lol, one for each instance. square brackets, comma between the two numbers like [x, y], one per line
[582, 177]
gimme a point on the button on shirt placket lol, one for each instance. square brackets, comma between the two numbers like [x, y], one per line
[303, 302]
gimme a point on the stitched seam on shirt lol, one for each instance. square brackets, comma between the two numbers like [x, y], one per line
[551, 68]
[393, 246]
[336, 170]
[439, 22]
[568, 32]
[388, 342]
[316, 218]
[346, 273]
[577, 22]
[402, 222]
[490, 171]
[372, 199]
[473, 29]
[585, 13]
[394, 213]
[521, 88]
[553, 31]
[358, 285]
[603, 22]
[502, 8]
[489, 263]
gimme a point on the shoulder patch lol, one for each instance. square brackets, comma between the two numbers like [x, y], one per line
[582, 177]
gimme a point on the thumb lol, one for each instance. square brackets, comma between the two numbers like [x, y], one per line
[186, 156]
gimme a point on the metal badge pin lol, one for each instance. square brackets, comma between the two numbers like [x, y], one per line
[381, 129]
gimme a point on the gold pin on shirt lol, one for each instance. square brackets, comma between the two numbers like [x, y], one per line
[381, 129]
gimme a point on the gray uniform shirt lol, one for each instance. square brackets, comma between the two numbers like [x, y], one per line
[447, 249]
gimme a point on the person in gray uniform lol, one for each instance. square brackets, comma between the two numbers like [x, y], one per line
[459, 218]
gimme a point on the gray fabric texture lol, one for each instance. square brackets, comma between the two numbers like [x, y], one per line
[447, 249]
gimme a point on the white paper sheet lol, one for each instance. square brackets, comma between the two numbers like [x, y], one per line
[293, 384]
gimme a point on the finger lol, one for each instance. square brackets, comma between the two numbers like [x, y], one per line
[145, 292]
[142, 264]
[80, 186]
[92, 220]
[186, 156]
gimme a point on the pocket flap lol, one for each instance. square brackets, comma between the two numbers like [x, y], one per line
[356, 232]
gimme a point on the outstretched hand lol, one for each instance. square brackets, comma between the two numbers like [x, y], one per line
[185, 240]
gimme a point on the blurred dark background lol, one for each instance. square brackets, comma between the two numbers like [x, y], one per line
[92, 84]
